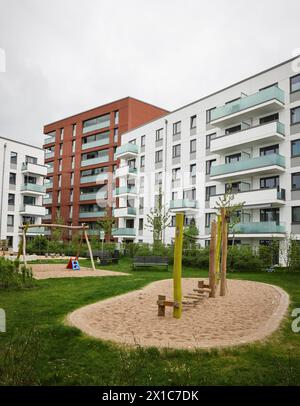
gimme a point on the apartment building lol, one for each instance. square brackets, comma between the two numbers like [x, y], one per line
[22, 172]
[245, 137]
[80, 156]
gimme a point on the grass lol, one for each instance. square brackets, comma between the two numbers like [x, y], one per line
[62, 355]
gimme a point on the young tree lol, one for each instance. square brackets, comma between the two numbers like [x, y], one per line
[189, 236]
[58, 233]
[158, 220]
[106, 224]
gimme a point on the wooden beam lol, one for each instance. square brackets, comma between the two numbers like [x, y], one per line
[24, 247]
[161, 311]
[89, 248]
[223, 285]
[177, 289]
[83, 227]
[212, 260]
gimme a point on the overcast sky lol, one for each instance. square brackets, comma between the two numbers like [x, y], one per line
[67, 56]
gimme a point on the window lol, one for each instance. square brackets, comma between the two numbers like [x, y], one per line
[229, 159]
[116, 117]
[193, 122]
[189, 194]
[141, 224]
[29, 200]
[173, 221]
[142, 161]
[295, 115]
[30, 179]
[234, 187]
[96, 123]
[208, 115]
[95, 171]
[193, 170]
[210, 191]
[269, 215]
[296, 214]
[104, 137]
[176, 174]
[11, 199]
[61, 134]
[10, 220]
[74, 131]
[209, 137]
[158, 178]
[116, 134]
[208, 219]
[177, 128]
[269, 183]
[12, 178]
[296, 181]
[174, 195]
[232, 130]
[208, 166]
[295, 83]
[159, 134]
[273, 149]
[176, 150]
[95, 154]
[295, 148]
[192, 146]
[89, 208]
[158, 156]
[141, 203]
[30, 159]
[13, 157]
[143, 140]
[268, 119]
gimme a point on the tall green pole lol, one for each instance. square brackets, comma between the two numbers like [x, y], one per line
[177, 290]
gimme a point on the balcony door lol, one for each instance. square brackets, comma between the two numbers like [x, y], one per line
[273, 149]
[269, 215]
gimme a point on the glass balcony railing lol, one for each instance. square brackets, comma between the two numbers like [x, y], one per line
[97, 143]
[123, 211]
[94, 161]
[36, 230]
[32, 187]
[48, 185]
[123, 232]
[125, 190]
[261, 227]
[49, 154]
[89, 214]
[246, 164]
[94, 178]
[47, 200]
[127, 149]
[49, 140]
[247, 102]
[93, 196]
[183, 204]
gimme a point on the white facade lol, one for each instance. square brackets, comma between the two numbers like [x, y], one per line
[22, 173]
[257, 117]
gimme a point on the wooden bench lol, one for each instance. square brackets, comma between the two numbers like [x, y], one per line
[151, 261]
[105, 257]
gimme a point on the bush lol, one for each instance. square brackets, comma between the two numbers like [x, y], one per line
[38, 245]
[12, 274]
[294, 256]
[242, 258]
[197, 257]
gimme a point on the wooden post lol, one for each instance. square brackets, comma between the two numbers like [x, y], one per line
[223, 286]
[218, 249]
[212, 260]
[89, 248]
[161, 311]
[24, 247]
[177, 290]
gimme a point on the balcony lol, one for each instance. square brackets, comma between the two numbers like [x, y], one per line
[50, 169]
[93, 196]
[254, 198]
[35, 231]
[47, 200]
[99, 178]
[29, 209]
[95, 161]
[125, 190]
[127, 151]
[124, 232]
[259, 229]
[125, 212]
[92, 214]
[273, 163]
[263, 102]
[183, 205]
[48, 185]
[49, 140]
[47, 217]
[35, 169]
[49, 154]
[33, 189]
[94, 144]
[248, 137]
[125, 171]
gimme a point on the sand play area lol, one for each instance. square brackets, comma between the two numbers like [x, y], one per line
[250, 311]
[46, 271]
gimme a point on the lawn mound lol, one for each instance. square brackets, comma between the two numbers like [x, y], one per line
[46, 271]
[251, 311]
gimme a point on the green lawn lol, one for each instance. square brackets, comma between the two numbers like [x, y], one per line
[39, 349]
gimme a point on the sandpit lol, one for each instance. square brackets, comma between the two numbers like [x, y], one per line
[251, 311]
[46, 271]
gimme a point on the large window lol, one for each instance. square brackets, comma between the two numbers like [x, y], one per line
[273, 149]
[192, 146]
[230, 159]
[13, 157]
[209, 137]
[95, 154]
[177, 128]
[159, 134]
[208, 115]
[296, 214]
[189, 194]
[176, 151]
[29, 200]
[96, 123]
[30, 159]
[295, 115]
[89, 208]
[295, 148]
[269, 183]
[158, 156]
[232, 130]
[296, 181]
[95, 171]
[210, 191]
[269, 215]
[295, 83]
[208, 165]
[268, 119]
[96, 137]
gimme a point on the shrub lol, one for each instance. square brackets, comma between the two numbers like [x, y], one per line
[12, 274]
[242, 258]
[197, 257]
[294, 256]
[38, 245]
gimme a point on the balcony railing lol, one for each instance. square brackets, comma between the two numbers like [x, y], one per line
[94, 161]
[93, 196]
[36, 230]
[89, 214]
[127, 150]
[262, 227]
[183, 204]
[123, 190]
[32, 209]
[49, 140]
[48, 185]
[49, 154]
[47, 200]
[33, 187]
[125, 170]
[124, 232]
[124, 211]
[96, 143]
[248, 164]
[247, 102]
[37, 169]
[94, 178]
